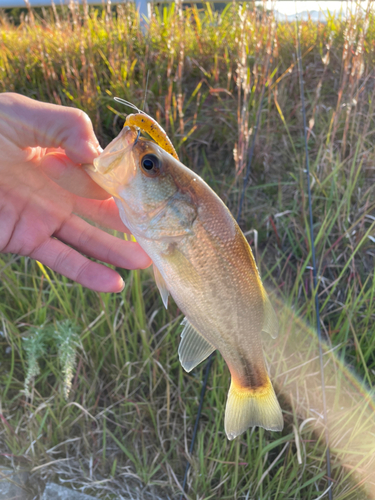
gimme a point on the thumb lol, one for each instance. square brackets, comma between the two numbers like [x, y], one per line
[57, 166]
[47, 125]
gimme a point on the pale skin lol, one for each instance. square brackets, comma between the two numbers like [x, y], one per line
[44, 192]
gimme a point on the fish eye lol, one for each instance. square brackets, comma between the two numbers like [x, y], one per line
[150, 164]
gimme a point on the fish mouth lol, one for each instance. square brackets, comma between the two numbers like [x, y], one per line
[115, 152]
[115, 166]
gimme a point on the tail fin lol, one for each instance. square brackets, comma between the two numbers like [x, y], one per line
[250, 407]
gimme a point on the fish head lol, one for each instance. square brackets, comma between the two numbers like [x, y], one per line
[143, 179]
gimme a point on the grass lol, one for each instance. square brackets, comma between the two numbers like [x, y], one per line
[124, 429]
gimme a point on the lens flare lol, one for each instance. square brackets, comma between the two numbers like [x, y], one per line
[294, 365]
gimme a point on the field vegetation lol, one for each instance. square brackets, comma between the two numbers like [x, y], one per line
[92, 392]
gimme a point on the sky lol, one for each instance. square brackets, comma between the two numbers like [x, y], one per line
[284, 7]
[290, 7]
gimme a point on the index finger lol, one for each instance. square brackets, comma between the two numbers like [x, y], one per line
[31, 123]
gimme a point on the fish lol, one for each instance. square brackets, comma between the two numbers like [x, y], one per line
[202, 259]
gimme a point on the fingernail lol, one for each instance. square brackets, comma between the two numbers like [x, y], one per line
[54, 165]
[95, 148]
[123, 285]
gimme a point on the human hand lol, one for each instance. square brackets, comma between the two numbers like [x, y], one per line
[42, 188]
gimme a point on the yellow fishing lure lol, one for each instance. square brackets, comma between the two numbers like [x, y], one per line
[154, 130]
[147, 124]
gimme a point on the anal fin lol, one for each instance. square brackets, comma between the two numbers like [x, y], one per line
[193, 348]
[161, 284]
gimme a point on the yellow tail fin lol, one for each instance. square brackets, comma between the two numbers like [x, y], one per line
[250, 407]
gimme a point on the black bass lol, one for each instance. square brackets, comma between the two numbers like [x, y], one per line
[204, 261]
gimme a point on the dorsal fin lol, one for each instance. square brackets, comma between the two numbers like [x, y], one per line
[193, 348]
[161, 284]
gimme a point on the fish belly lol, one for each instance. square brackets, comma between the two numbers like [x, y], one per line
[220, 292]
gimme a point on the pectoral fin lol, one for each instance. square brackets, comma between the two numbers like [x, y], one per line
[193, 348]
[271, 323]
[161, 284]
